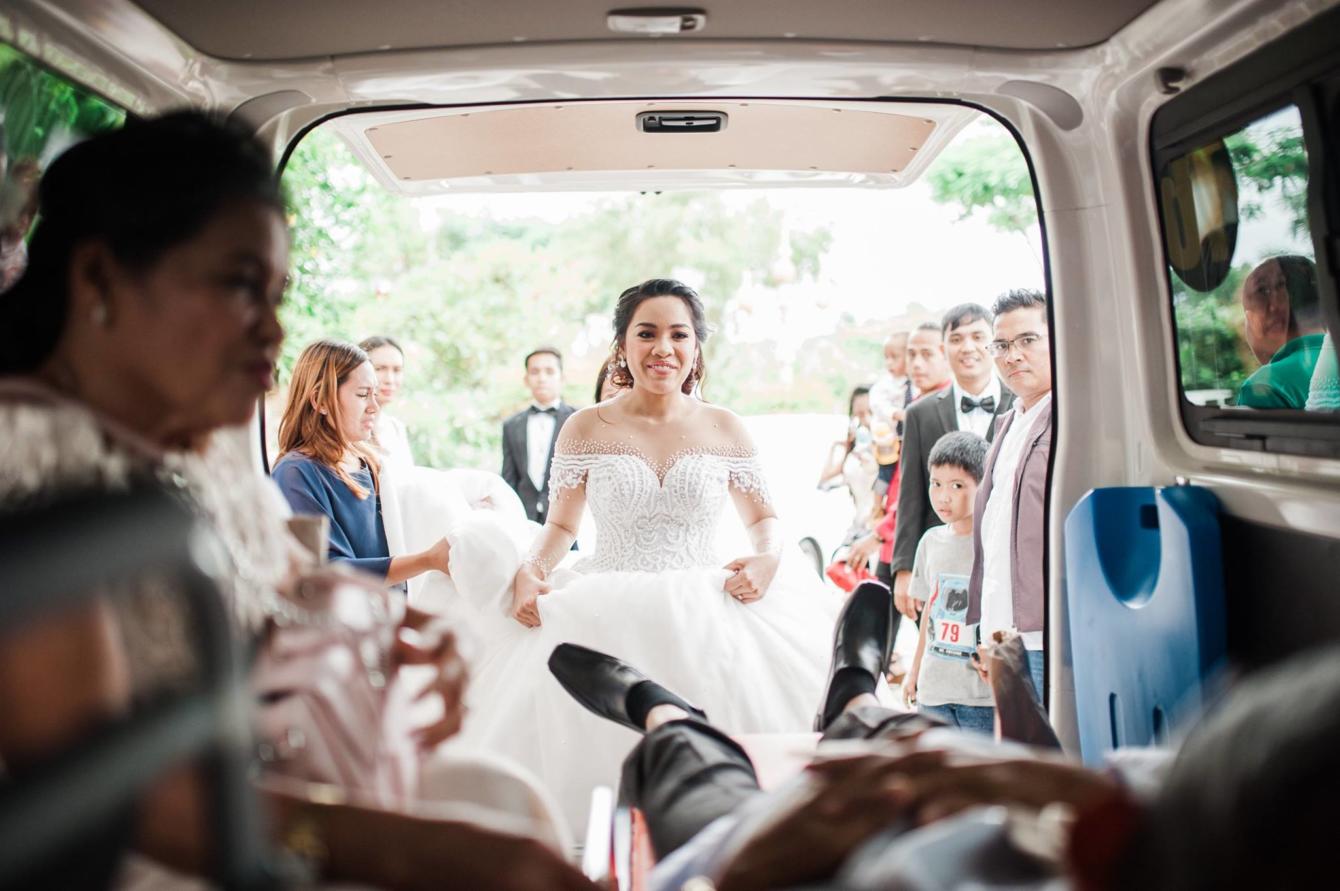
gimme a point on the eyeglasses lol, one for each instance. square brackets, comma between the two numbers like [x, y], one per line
[1001, 348]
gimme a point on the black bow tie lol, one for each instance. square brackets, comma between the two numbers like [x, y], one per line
[986, 404]
[551, 410]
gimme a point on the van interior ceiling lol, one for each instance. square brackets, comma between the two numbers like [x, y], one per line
[550, 146]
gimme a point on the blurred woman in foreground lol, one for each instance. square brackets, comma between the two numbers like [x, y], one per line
[145, 323]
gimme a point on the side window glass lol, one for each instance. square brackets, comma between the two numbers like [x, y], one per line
[41, 114]
[1250, 327]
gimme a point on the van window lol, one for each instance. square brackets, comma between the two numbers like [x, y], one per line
[1249, 319]
[1244, 187]
[41, 114]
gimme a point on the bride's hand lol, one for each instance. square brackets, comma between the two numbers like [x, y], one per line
[752, 576]
[526, 589]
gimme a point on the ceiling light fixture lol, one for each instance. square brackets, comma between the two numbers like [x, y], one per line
[656, 21]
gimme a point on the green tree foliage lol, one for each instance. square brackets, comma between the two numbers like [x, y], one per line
[470, 295]
[1210, 348]
[43, 112]
[1272, 162]
[986, 173]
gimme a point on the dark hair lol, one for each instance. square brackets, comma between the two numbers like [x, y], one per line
[964, 314]
[626, 308]
[1245, 804]
[543, 351]
[1300, 281]
[141, 190]
[962, 449]
[1018, 298]
[856, 393]
[377, 341]
[601, 377]
[927, 326]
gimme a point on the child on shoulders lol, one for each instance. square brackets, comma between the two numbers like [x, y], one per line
[943, 682]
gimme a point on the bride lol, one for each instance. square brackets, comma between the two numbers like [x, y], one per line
[747, 639]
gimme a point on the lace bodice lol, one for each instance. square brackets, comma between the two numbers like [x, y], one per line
[654, 516]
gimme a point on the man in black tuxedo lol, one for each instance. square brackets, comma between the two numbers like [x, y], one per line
[529, 435]
[973, 401]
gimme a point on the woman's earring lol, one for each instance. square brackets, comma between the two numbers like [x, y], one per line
[99, 314]
[622, 363]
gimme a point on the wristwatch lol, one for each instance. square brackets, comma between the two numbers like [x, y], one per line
[303, 850]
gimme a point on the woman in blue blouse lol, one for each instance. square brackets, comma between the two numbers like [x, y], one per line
[327, 464]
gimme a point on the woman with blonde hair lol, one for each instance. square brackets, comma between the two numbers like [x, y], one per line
[328, 464]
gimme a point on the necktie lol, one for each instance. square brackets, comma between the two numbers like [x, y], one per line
[986, 404]
[907, 401]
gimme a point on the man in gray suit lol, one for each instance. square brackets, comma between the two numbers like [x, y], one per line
[529, 435]
[1007, 591]
[973, 402]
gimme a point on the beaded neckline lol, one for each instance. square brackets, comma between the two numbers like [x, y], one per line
[661, 468]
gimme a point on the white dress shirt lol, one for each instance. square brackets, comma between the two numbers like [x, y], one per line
[888, 394]
[998, 528]
[977, 420]
[539, 433]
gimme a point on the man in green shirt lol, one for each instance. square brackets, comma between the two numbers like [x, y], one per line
[1284, 329]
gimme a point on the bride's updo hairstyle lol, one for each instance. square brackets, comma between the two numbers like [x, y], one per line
[311, 421]
[626, 308]
[141, 190]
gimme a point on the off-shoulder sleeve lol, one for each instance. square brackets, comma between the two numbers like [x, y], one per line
[746, 475]
[568, 470]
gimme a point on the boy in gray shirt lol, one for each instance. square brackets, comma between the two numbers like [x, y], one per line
[943, 683]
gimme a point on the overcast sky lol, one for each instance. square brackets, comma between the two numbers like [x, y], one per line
[890, 248]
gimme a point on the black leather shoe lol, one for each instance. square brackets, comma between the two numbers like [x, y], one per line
[863, 639]
[601, 683]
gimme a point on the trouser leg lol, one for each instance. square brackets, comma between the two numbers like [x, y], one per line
[884, 573]
[1037, 666]
[875, 722]
[682, 776]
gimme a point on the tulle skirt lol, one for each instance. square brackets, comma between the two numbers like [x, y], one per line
[754, 668]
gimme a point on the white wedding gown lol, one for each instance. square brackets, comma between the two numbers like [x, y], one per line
[651, 594]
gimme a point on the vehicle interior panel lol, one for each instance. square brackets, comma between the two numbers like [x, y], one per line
[1281, 591]
[259, 30]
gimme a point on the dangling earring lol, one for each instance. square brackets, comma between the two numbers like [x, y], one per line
[622, 363]
[98, 314]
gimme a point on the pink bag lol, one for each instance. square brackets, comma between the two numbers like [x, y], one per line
[330, 708]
